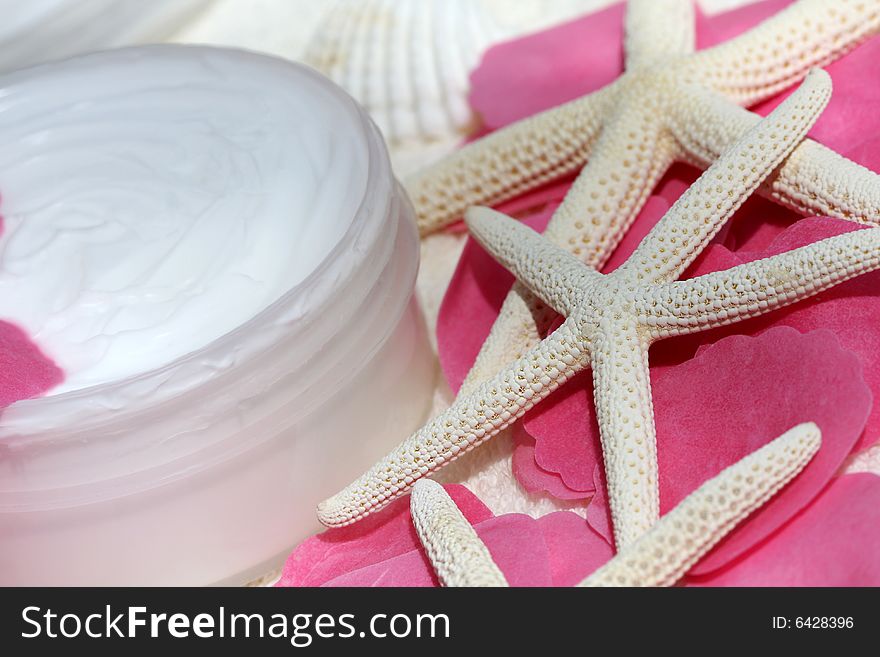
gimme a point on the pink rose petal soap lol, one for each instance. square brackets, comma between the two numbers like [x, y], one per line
[206, 269]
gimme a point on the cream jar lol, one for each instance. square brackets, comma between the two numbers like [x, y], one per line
[205, 466]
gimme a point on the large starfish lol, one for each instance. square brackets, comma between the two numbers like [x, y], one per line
[661, 556]
[671, 104]
[611, 320]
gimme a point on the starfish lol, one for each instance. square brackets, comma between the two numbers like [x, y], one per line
[611, 321]
[671, 104]
[658, 558]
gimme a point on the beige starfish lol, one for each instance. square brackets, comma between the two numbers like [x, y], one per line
[457, 554]
[671, 104]
[661, 556]
[613, 319]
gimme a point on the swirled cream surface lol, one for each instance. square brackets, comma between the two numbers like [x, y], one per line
[156, 198]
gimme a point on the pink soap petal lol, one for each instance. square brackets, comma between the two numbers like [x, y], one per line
[851, 124]
[515, 542]
[597, 513]
[574, 550]
[534, 478]
[558, 549]
[517, 545]
[806, 231]
[849, 310]
[384, 550]
[527, 75]
[756, 225]
[833, 542]
[410, 569]
[376, 539]
[566, 433]
[524, 76]
[797, 378]
[739, 394]
[470, 305]
[25, 372]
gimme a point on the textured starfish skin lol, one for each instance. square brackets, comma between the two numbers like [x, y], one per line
[680, 538]
[662, 555]
[611, 320]
[671, 104]
[457, 554]
[660, 63]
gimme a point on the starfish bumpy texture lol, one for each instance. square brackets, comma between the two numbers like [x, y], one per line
[458, 555]
[661, 556]
[611, 320]
[671, 104]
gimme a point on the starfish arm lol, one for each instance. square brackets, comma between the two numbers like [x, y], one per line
[521, 324]
[624, 410]
[778, 52]
[707, 204]
[629, 158]
[757, 287]
[471, 420]
[656, 30]
[553, 274]
[508, 162]
[817, 181]
[456, 553]
[681, 537]
[604, 200]
[813, 180]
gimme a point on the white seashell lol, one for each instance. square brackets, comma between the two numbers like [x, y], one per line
[406, 61]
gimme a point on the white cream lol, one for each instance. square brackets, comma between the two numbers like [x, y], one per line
[156, 199]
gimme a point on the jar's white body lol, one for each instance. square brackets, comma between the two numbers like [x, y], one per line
[208, 470]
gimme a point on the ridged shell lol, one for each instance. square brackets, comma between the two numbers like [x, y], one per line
[406, 61]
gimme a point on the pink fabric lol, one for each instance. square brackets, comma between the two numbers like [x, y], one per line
[833, 542]
[557, 550]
